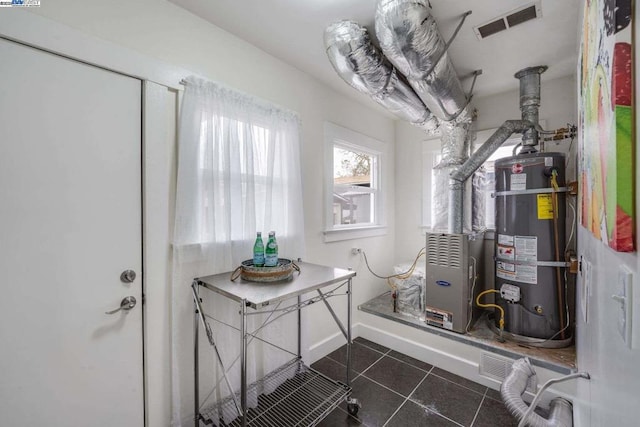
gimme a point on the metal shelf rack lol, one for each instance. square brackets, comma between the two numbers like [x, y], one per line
[304, 396]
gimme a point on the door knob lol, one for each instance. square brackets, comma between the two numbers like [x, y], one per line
[126, 304]
[128, 276]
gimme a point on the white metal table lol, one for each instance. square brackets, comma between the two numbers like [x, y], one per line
[307, 396]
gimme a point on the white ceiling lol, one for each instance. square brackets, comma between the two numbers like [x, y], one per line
[292, 30]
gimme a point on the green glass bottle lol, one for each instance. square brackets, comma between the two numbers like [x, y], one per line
[271, 251]
[258, 251]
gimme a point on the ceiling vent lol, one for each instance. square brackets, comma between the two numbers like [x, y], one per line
[508, 20]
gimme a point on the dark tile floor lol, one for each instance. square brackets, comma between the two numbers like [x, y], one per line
[397, 390]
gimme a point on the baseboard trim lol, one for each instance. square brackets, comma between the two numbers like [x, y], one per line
[457, 358]
[331, 343]
[459, 365]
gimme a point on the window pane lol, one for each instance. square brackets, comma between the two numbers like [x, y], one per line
[352, 209]
[352, 166]
[353, 187]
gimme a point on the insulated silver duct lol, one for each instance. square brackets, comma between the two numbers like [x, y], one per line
[454, 148]
[514, 386]
[461, 174]
[454, 142]
[409, 38]
[364, 68]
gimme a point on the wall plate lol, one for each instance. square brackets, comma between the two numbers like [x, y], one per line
[624, 298]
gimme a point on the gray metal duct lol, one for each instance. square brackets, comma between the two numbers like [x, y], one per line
[461, 174]
[409, 38]
[528, 126]
[514, 386]
[364, 68]
[530, 103]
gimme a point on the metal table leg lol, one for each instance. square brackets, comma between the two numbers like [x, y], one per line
[352, 404]
[243, 361]
[196, 360]
[299, 329]
[349, 333]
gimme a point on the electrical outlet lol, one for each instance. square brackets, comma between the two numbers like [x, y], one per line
[625, 300]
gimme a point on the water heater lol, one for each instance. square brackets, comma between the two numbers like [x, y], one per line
[530, 244]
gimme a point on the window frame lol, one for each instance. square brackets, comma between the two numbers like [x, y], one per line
[337, 136]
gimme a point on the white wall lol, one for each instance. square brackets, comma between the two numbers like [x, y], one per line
[611, 396]
[162, 30]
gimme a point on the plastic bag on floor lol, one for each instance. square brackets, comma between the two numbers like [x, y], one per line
[410, 290]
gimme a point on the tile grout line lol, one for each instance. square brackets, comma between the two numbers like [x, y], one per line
[376, 361]
[382, 355]
[358, 374]
[484, 396]
[460, 385]
[406, 398]
[428, 409]
[369, 347]
[369, 367]
[388, 354]
[429, 372]
[351, 416]
[423, 406]
[413, 366]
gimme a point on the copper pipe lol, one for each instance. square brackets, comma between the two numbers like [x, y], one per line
[554, 201]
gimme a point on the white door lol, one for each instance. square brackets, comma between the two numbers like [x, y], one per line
[70, 224]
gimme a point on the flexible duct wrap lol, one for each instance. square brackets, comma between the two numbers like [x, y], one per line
[364, 68]
[454, 143]
[514, 386]
[409, 38]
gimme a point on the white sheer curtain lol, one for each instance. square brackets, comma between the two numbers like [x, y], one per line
[238, 173]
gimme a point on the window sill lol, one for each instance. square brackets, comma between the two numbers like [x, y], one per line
[337, 235]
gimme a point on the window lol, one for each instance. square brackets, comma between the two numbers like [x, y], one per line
[431, 157]
[241, 180]
[239, 173]
[506, 150]
[353, 184]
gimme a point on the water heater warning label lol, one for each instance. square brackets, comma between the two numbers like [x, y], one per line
[506, 252]
[505, 239]
[545, 206]
[518, 181]
[526, 248]
[517, 272]
[527, 274]
[505, 270]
